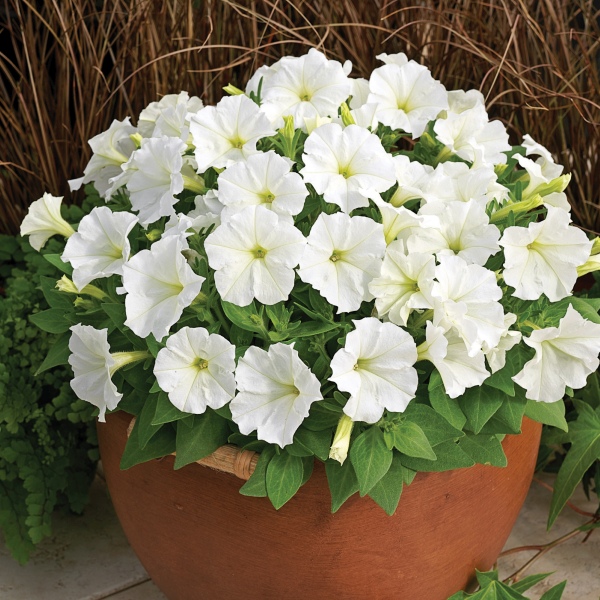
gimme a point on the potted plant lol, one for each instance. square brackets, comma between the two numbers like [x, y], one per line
[363, 283]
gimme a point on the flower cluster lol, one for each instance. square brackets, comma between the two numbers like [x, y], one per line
[324, 246]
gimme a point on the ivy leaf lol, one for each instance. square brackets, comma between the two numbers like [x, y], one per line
[256, 486]
[285, 474]
[484, 449]
[479, 404]
[57, 355]
[548, 413]
[528, 582]
[342, 482]
[208, 432]
[410, 439]
[443, 404]
[556, 592]
[584, 435]
[387, 491]
[370, 457]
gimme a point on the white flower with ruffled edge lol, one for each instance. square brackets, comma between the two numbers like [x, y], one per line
[398, 222]
[228, 132]
[448, 353]
[461, 228]
[467, 131]
[254, 254]
[346, 165]
[207, 211]
[376, 367]
[100, 247]
[496, 357]
[342, 256]
[307, 86]
[543, 258]
[264, 179]
[397, 290]
[196, 370]
[111, 149]
[275, 392]
[466, 297]
[542, 173]
[93, 367]
[169, 116]
[159, 285]
[564, 356]
[43, 220]
[412, 177]
[408, 97]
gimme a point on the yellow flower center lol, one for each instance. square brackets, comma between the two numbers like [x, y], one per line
[201, 363]
[260, 253]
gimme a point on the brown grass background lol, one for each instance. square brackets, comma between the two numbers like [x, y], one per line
[69, 67]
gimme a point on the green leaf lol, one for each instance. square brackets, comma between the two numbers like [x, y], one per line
[516, 357]
[511, 412]
[116, 313]
[479, 404]
[165, 411]
[256, 486]
[285, 474]
[161, 444]
[317, 442]
[370, 457]
[387, 491]
[342, 482]
[314, 328]
[484, 449]
[434, 426]
[410, 439]
[54, 298]
[208, 432]
[279, 315]
[443, 404]
[245, 317]
[548, 413]
[55, 259]
[584, 434]
[57, 355]
[555, 593]
[53, 320]
[528, 582]
[486, 577]
[146, 429]
[321, 418]
[449, 456]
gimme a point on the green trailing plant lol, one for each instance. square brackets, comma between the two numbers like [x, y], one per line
[48, 448]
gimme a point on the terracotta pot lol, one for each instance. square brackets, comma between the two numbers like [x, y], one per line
[199, 538]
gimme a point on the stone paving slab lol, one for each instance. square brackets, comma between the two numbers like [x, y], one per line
[88, 557]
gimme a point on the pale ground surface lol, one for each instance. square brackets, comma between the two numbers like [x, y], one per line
[88, 558]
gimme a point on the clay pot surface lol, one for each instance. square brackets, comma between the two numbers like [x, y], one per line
[199, 539]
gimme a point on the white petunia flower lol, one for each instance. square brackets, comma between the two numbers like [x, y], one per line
[376, 368]
[407, 95]
[342, 256]
[307, 86]
[228, 132]
[169, 116]
[398, 223]
[564, 356]
[159, 285]
[93, 366]
[412, 178]
[542, 173]
[100, 246]
[196, 370]
[461, 228]
[397, 290]
[466, 297]
[543, 258]
[275, 392]
[43, 220]
[496, 357]
[254, 254]
[467, 131]
[207, 211]
[399, 58]
[111, 149]
[264, 179]
[448, 353]
[153, 178]
[346, 165]
[359, 92]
